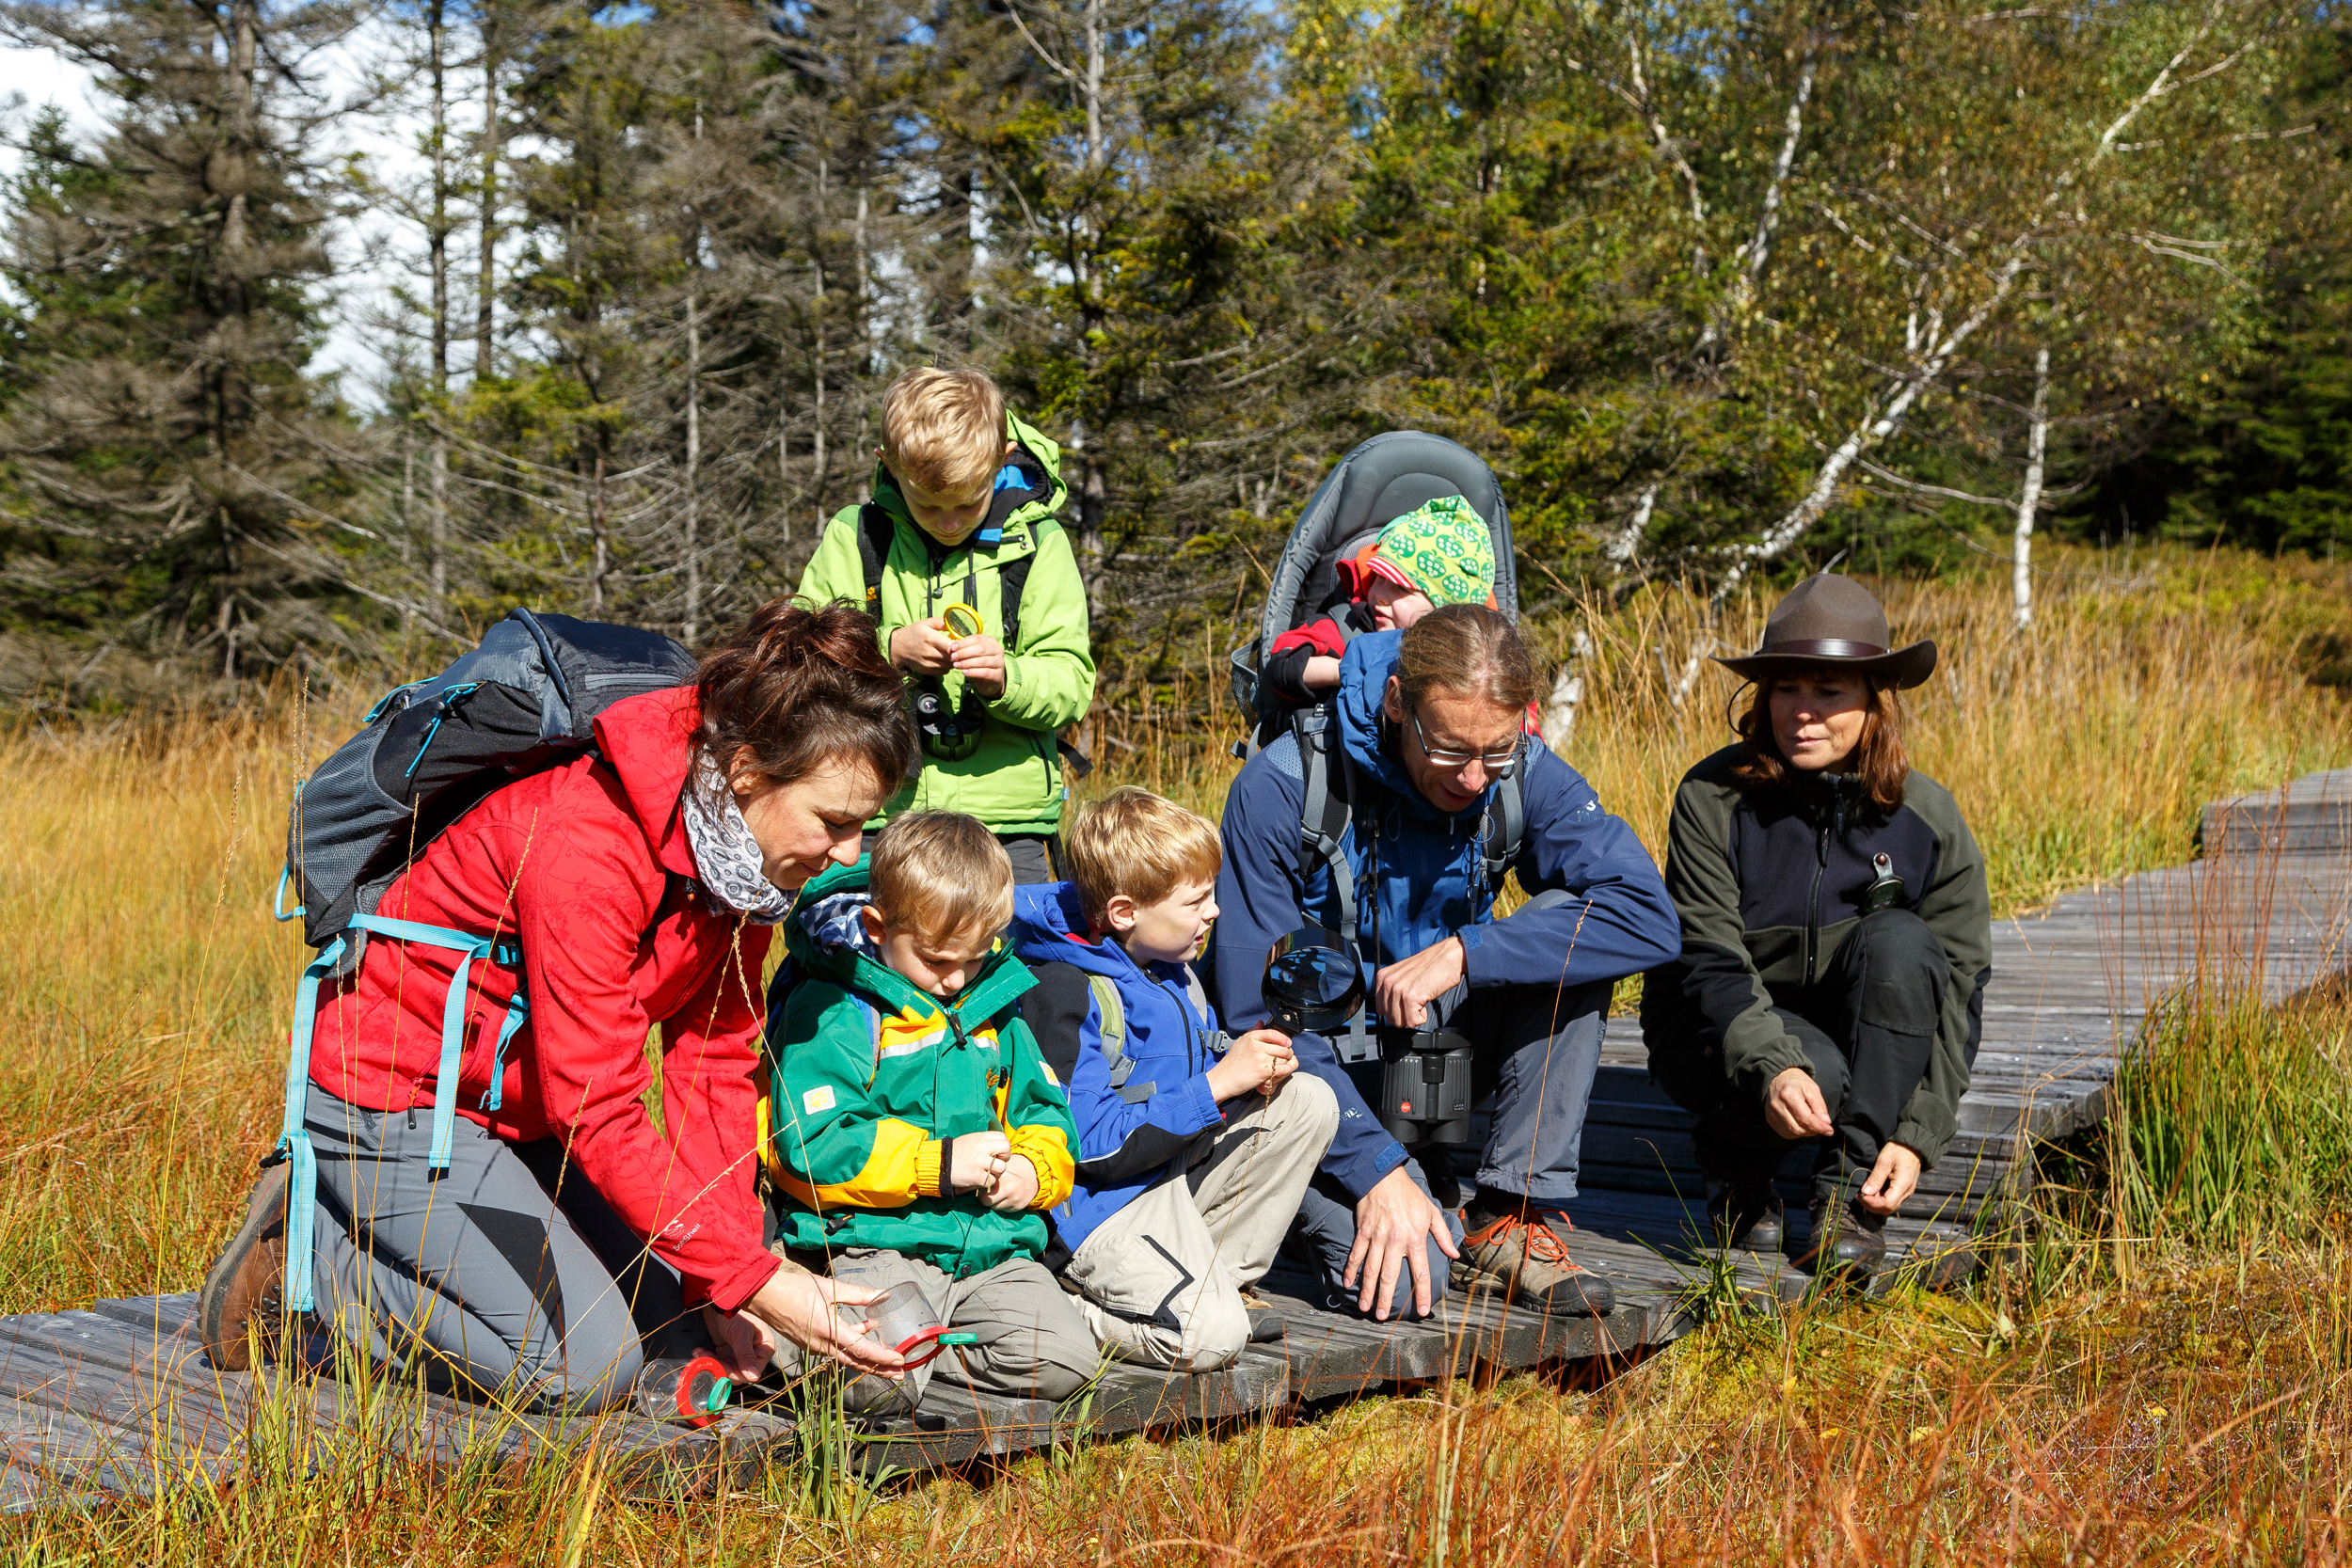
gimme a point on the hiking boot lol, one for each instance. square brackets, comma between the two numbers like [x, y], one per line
[1527, 1258]
[1848, 1239]
[245, 1285]
[1267, 1322]
[1744, 1216]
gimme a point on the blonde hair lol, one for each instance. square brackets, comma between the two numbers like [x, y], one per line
[940, 873]
[1134, 842]
[943, 432]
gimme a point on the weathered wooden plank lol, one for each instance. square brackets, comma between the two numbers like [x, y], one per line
[1329, 1355]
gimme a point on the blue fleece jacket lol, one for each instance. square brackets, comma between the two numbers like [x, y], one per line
[1126, 1140]
[1617, 921]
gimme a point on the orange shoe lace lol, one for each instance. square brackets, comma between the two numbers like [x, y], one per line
[1542, 1245]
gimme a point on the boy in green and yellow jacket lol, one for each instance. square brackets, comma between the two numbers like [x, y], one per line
[964, 495]
[918, 1135]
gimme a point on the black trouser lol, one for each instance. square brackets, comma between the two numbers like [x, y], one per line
[1868, 1027]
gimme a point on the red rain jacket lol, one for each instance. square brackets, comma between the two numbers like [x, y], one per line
[589, 867]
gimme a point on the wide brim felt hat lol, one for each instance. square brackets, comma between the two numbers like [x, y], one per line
[1833, 621]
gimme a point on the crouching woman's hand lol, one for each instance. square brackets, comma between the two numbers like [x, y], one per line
[798, 1306]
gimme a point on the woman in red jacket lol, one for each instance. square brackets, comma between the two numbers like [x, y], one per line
[574, 1231]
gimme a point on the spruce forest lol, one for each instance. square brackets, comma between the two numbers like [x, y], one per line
[1720, 290]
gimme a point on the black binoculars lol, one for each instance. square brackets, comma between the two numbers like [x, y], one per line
[948, 732]
[1425, 1085]
[1313, 983]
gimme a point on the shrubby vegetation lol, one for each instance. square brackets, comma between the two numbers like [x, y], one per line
[1720, 290]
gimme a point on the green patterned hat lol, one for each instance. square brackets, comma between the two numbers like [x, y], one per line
[1442, 549]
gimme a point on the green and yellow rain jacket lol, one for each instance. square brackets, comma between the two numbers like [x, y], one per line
[875, 1078]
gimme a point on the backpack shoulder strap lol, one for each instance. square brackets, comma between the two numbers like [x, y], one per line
[1504, 831]
[1012, 580]
[1322, 819]
[875, 529]
[1111, 1025]
[1323, 813]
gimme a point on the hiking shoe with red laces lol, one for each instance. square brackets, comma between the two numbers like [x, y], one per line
[1526, 1257]
[246, 1284]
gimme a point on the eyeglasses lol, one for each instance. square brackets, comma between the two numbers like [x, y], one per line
[1495, 761]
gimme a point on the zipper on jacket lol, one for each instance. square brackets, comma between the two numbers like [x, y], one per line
[1833, 828]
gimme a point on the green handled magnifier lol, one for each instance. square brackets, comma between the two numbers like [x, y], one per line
[962, 621]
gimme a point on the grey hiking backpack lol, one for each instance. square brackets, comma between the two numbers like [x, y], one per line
[524, 700]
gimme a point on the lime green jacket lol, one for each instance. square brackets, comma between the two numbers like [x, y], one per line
[875, 1079]
[1010, 777]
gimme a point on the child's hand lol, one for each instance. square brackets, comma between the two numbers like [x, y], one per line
[922, 648]
[975, 1159]
[1255, 1064]
[1015, 1187]
[1321, 674]
[982, 661]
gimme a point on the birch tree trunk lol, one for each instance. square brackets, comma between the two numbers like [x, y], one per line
[2037, 443]
[1568, 694]
[816, 259]
[693, 471]
[492, 125]
[693, 433]
[436, 247]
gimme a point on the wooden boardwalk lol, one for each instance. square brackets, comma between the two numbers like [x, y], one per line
[119, 1402]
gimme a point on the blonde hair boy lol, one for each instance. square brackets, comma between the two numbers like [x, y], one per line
[961, 517]
[1200, 1148]
[941, 875]
[919, 1136]
[943, 432]
[1143, 846]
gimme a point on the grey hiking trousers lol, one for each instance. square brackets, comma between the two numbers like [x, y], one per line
[1030, 1340]
[506, 1273]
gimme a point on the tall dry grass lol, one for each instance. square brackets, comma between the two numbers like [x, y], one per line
[2081, 750]
[2055, 1414]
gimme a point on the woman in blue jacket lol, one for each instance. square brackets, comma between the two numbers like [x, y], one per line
[1424, 789]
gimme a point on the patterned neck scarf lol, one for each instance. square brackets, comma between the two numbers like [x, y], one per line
[724, 851]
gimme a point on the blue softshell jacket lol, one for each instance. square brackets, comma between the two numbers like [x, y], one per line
[1617, 921]
[1125, 1146]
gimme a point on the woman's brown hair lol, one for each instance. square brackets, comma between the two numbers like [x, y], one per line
[798, 687]
[1880, 763]
[1469, 649]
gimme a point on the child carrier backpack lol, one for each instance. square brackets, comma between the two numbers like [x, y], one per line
[526, 699]
[1379, 482]
[1375, 485]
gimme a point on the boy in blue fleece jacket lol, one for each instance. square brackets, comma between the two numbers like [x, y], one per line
[1194, 1149]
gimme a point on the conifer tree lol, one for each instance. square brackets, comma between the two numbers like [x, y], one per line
[181, 477]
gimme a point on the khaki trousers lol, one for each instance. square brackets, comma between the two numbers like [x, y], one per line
[1160, 1281]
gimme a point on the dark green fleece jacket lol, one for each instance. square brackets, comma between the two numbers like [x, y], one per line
[1768, 882]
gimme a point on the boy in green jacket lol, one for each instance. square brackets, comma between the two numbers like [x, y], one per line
[962, 516]
[918, 1135]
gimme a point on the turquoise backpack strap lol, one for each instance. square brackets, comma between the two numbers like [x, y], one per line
[293, 1140]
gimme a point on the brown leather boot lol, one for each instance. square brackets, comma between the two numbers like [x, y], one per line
[1744, 1216]
[245, 1285]
[1849, 1241]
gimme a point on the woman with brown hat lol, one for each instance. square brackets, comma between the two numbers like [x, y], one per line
[1836, 938]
